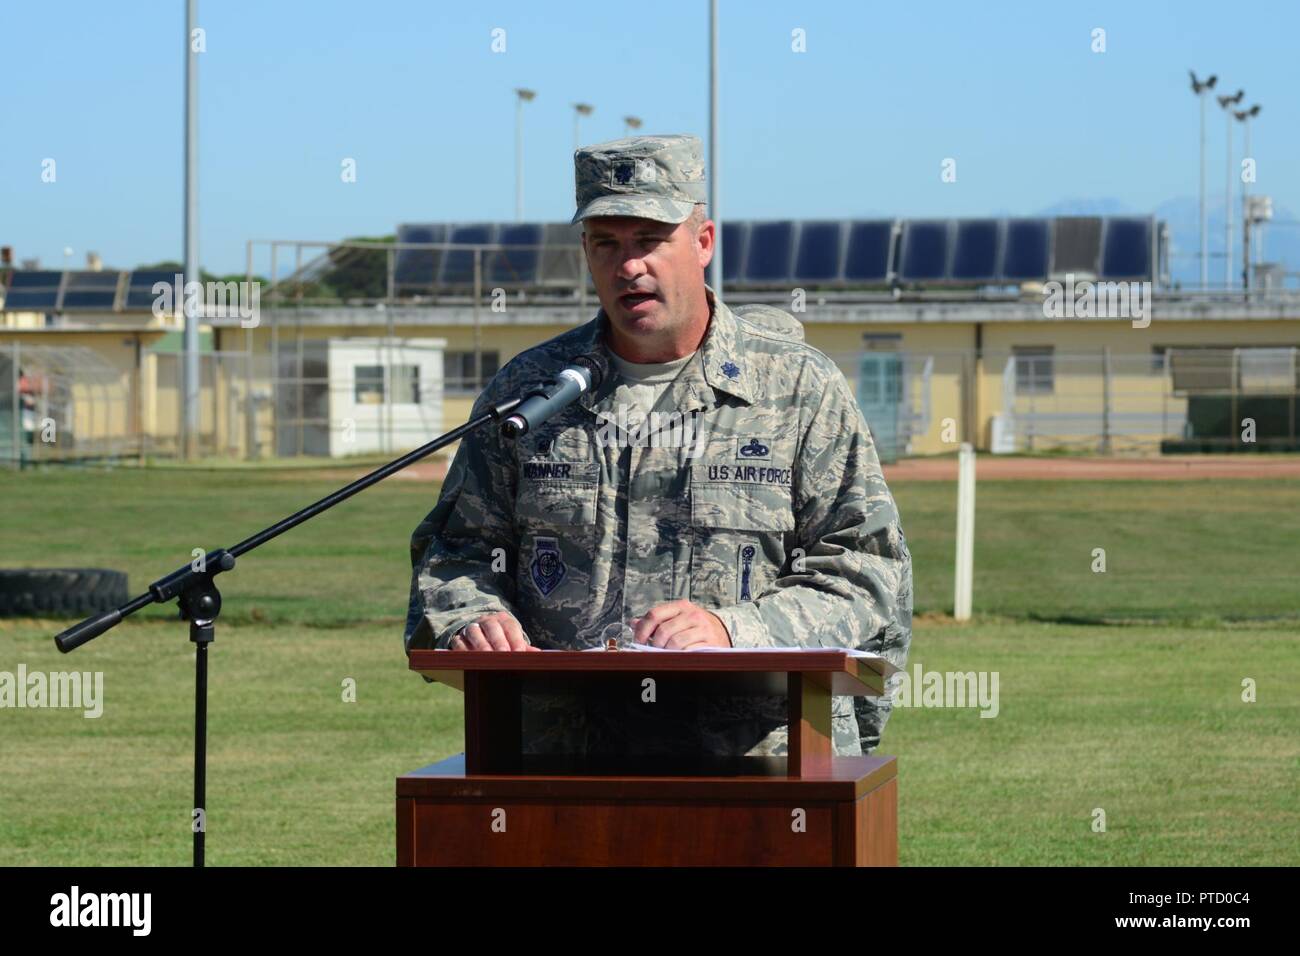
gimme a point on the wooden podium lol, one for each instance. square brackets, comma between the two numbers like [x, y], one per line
[495, 805]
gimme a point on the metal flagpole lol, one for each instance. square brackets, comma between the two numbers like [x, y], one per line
[190, 374]
[715, 166]
[1204, 253]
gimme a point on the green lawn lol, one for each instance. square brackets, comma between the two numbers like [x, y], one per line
[1142, 719]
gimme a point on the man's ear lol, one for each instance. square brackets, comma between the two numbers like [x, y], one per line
[704, 243]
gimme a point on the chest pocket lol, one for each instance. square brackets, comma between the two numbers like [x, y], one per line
[559, 480]
[556, 495]
[738, 537]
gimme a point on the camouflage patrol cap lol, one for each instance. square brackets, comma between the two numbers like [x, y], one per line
[651, 177]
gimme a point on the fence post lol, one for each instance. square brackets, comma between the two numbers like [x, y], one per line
[1295, 377]
[478, 340]
[1233, 425]
[390, 333]
[968, 426]
[139, 401]
[1105, 399]
[17, 409]
[250, 404]
[275, 356]
[297, 328]
[965, 532]
[1164, 394]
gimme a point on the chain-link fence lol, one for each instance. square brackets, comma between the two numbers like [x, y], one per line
[334, 397]
[1177, 399]
[894, 390]
[65, 403]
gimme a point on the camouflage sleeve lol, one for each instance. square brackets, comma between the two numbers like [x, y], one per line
[848, 579]
[462, 553]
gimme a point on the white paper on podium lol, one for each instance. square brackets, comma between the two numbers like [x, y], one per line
[883, 667]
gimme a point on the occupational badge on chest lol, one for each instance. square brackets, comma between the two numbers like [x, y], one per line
[745, 572]
[547, 569]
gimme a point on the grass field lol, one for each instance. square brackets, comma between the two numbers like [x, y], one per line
[1119, 691]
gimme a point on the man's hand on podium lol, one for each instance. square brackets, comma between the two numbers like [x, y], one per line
[681, 626]
[493, 632]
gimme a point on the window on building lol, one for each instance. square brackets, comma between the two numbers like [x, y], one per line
[369, 384]
[459, 371]
[882, 341]
[1158, 353]
[1269, 371]
[1201, 369]
[1034, 370]
[406, 384]
[369, 388]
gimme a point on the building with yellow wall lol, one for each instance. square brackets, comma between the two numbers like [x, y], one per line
[948, 331]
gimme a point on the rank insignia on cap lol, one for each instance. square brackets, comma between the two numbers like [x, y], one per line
[627, 172]
[622, 173]
[548, 568]
[731, 369]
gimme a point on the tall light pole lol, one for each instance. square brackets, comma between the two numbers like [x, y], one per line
[715, 210]
[190, 373]
[1227, 102]
[1200, 89]
[1244, 116]
[579, 110]
[630, 123]
[522, 96]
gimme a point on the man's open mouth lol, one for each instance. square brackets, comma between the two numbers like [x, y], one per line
[636, 298]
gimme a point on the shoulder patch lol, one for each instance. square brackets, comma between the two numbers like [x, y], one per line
[770, 319]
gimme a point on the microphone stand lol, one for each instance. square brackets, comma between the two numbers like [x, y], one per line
[195, 589]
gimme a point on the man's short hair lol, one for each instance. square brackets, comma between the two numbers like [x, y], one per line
[699, 215]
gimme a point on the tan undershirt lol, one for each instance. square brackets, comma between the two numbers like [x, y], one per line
[641, 384]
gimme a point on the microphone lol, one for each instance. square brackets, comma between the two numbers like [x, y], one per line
[550, 398]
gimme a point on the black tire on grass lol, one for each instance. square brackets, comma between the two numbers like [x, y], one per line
[60, 592]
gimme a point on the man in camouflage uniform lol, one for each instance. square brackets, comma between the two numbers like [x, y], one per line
[743, 506]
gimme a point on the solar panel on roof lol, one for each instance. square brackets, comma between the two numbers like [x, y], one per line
[735, 243]
[819, 256]
[516, 266]
[92, 291]
[562, 258]
[869, 247]
[925, 250]
[1076, 244]
[1127, 250]
[458, 265]
[139, 289]
[32, 289]
[774, 252]
[1026, 248]
[771, 250]
[418, 267]
[975, 255]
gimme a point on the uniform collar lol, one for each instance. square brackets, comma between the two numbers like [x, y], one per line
[726, 362]
[720, 366]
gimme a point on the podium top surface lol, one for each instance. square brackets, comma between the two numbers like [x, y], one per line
[843, 778]
[843, 671]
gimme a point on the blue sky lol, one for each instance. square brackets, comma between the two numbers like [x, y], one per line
[858, 124]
